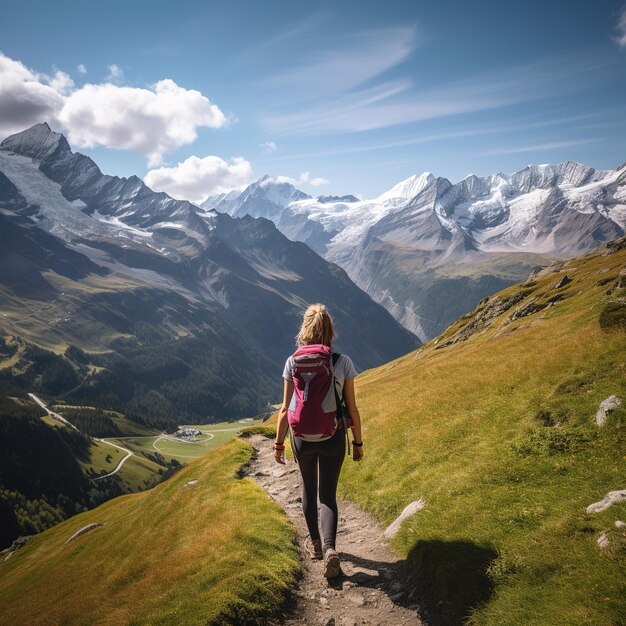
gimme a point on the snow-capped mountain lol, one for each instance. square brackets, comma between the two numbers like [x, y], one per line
[265, 197]
[139, 269]
[458, 230]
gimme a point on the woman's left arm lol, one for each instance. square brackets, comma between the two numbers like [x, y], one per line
[282, 424]
[353, 412]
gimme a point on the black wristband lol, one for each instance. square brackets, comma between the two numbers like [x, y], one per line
[358, 444]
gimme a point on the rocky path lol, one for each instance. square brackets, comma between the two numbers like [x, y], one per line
[375, 589]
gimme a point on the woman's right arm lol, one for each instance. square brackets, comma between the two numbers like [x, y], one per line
[282, 424]
[353, 411]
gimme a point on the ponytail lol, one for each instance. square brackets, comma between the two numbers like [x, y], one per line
[317, 327]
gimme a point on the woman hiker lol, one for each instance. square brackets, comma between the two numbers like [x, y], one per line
[321, 380]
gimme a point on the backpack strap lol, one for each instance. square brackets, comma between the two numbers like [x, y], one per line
[339, 400]
[334, 359]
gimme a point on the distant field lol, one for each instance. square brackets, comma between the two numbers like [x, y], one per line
[142, 470]
[213, 436]
[51, 421]
[139, 473]
[102, 457]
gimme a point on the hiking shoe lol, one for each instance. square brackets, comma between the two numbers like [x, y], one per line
[314, 548]
[332, 567]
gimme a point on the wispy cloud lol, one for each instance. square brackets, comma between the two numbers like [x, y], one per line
[81, 68]
[621, 29]
[365, 98]
[455, 133]
[378, 107]
[554, 145]
[352, 61]
[304, 178]
[115, 75]
[287, 34]
[268, 146]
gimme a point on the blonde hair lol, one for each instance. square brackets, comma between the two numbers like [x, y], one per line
[317, 327]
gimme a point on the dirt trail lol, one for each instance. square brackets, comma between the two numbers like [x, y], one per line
[42, 404]
[375, 589]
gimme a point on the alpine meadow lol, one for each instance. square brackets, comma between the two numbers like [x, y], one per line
[313, 315]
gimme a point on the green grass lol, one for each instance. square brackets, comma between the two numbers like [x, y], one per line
[497, 434]
[139, 473]
[216, 552]
[102, 458]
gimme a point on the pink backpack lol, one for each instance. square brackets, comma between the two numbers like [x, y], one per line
[314, 388]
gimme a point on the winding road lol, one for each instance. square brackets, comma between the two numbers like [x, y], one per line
[42, 404]
[119, 465]
[51, 413]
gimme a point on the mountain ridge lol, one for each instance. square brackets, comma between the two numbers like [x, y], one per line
[166, 277]
[426, 224]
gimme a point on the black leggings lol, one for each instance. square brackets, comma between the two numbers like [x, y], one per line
[326, 457]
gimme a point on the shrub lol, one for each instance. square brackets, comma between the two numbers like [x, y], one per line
[613, 316]
[551, 440]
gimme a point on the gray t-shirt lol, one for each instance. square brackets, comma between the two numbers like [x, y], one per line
[344, 370]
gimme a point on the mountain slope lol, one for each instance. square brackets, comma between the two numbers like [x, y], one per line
[175, 311]
[493, 426]
[405, 247]
[216, 551]
[48, 468]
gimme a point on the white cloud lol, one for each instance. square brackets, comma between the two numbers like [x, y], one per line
[61, 82]
[81, 69]
[196, 178]
[268, 146]
[115, 75]
[304, 178]
[316, 182]
[26, 97]
[152, 120]
[621, 29]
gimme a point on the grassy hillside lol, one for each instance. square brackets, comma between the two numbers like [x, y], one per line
[215, 552]
[49, 471]
[492, 424]
[47, 468]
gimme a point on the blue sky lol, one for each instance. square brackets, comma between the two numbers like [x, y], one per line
[343, 97]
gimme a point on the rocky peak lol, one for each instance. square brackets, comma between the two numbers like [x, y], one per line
[408, 188]
[277, 189]
[37, 142]
[544, 176]
[474, 187]
[266, 197]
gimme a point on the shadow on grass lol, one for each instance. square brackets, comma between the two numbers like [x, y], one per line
[442, 581]
[451, 578]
